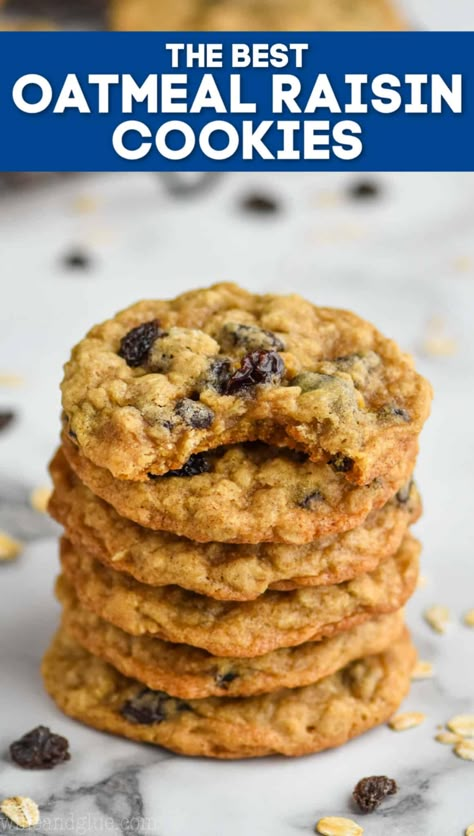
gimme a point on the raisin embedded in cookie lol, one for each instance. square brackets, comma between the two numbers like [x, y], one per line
[290, 721]
[163, 381]
[246, 493]
[189, 672]
[249, 628]
[224, 571]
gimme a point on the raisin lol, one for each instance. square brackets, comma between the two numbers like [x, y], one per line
[40, 749]
[260, 204]
[223, 680]
[403, 495]
[257, 367]
[148, 707]
[370, 792]
[341, 464]
[364, 190]
[393, 411]
[217, 376]
[196, 464]
[77, 260]
[249, 337]
[135, 345]
[196, 415]
[6, 418]
[310, 501]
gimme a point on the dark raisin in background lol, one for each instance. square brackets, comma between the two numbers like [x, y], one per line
[260, 204]
[7, 416]
[77, 260]
[364, 190]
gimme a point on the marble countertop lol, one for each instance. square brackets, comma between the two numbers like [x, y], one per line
[404, 260]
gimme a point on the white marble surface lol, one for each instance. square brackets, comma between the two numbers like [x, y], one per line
[399, 261]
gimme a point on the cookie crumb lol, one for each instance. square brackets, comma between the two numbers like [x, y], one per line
[423, 670]
[39, 499]
[260, 204]
[407, 720]
[438, 617]
[448, 738]
[21, 811]
[337, 826]
[370, 792]
[7, 416]
[9, 548]
[462, 724]
[465, 750]
[469, 618]
[470, 830]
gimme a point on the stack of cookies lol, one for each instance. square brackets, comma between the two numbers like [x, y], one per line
[235, 486]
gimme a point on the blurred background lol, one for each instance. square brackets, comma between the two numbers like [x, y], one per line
[232, 14]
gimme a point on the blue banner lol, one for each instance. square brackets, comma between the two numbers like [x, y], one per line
[100, 101]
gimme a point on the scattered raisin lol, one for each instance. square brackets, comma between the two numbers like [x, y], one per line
[257, 367]
[223, 680]
[135, 345]
[6, 418]
[310, 501]
[149, 707]
[403, 495]
[341, 464]
[364, 190]
[196, 464]
[370, 792]
[40, 749]
[77, 260]
[196, 415]
[249, 337]
[260, 204]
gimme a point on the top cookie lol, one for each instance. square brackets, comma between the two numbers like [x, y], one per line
[162, 381]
